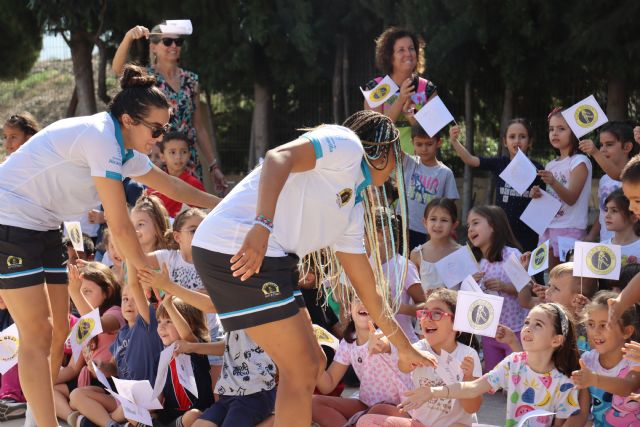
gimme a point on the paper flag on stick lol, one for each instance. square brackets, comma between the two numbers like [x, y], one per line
[455, 267]
[519, 173]
[516, 273]
[325, 337]
[184, 369]
[469, 284]
[477, 314]
[9, 343]
[585, 116]
[379, 94]
[179, 27]
[75, 235]
[539, 259]
[565, 244]
[597, 260]
[87, 327]
[433, 116]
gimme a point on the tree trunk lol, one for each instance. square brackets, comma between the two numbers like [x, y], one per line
[507, 114]
[102, 71]
[81, 45]
[467, 183]
[617, 100]
[262, 96]
[336, 83]
[345, 78]
[73, 103]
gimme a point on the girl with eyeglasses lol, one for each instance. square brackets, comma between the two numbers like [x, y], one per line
[17, 130]
[436, 322]
[62, 172]
[180, 86]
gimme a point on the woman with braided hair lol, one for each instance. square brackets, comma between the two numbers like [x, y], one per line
[309, 195]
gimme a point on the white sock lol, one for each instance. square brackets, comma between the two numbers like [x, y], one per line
[29, 421]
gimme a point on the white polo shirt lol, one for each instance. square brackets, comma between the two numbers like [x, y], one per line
[48, 180]
[318, 208]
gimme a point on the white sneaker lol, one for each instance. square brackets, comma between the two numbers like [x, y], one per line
[29, 421]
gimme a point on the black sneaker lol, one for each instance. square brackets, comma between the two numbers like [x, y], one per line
[85, 422]
[11, 409]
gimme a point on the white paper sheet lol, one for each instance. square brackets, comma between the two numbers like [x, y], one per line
[179, 27]
[540, 212]
[520, 173]
[163, 367]
[433, 116]
[133, 411]
[469, 284]
[455, 267]
[185, 373]
[101, 376]
[477, 314]
[516, 273]
[138, 392]
[565, 244]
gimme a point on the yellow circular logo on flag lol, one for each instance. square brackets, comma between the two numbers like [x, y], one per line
[585, 116]
[539, 256]
[380, 92]
[85, 327]
[480, 314]
[8, 347]
[601, 260]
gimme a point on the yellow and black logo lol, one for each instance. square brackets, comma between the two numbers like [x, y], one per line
[14, 261]
[601, 260]
[343, 197]
[270, 289]
[480, 314]
[586, 116]
[380, 92]
[8, 347]
[539, 256]
[85, 327]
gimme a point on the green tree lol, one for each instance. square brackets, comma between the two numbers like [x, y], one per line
[22, 39]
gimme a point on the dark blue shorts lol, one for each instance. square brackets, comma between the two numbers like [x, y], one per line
[241, 411]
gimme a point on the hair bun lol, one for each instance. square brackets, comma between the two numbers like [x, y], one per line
[136, 76]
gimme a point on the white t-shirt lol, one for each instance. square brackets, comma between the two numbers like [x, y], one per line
[443, 412]
[48, 180]
[575, 216]
[392, 270]
[180, 271]
[606, 186]
[630, 252]
[316, 208]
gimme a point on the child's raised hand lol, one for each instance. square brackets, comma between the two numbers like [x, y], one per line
[155, 279]
[615, 311]
[467, 368]
[636, 134]
[377, 343]
[415, 399]
[505, 335]
[525, 259]
[540, 291]
[578, 302]
[547, 177]
[587, 146]
[631, 352]
[584, 377]
[535, 192]
[75, 278]
[454, 132]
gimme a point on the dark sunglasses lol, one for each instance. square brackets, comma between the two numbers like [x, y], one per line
[434, 315]
[156, 131]
[168, 41]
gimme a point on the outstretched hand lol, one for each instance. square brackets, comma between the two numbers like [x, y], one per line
[584, 377]
[410, 359]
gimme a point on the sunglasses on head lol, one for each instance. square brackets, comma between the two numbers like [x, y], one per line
[156, 131]
[169, 41]
[434, 315]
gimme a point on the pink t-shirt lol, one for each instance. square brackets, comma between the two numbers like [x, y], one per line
[513, 314]
[380, 379]
[100, 350]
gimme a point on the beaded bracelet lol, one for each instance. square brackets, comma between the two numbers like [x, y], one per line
[264, 222]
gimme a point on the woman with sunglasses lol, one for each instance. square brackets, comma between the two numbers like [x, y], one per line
[181, 88]
[61, 172]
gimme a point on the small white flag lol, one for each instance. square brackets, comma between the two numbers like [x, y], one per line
[539, 259]
[379, 94]
[519, 173]
[585, 116]
[540, 212]
[477, 314]
[469, 284]
[101, 376]
[179, 27]
[516, 273]
[9, 344]
[184, 369]
[433, 116]
[565, 244]
[74, 231]
[535, 413]
[166, 356]
[87, 327]
[597, 260]
[456, 266]
[138, 392]
[325, 337]
[133, 411]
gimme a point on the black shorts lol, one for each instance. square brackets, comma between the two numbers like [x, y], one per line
[271, 295]
[29, 257]
[241, 411]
